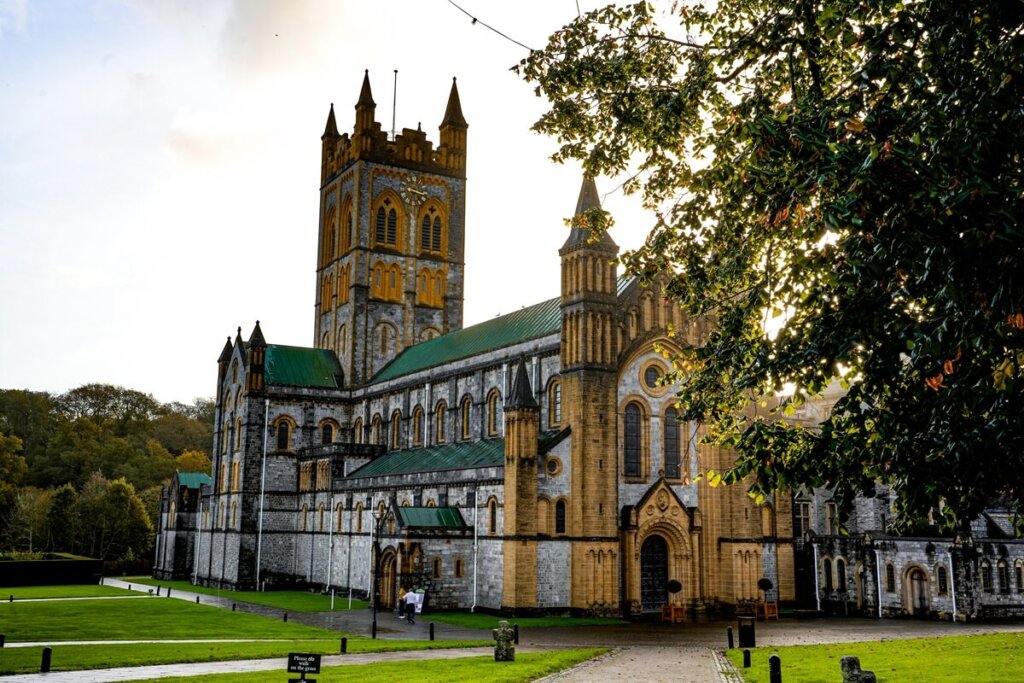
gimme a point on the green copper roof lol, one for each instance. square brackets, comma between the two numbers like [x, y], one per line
[193, 480]
[528, 323]
[445, 518]
[301, 367]
[453, 456]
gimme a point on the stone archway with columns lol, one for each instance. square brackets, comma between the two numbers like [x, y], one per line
[660, 513]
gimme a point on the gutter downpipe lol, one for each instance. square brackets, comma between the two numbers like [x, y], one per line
[199, 535]
[330, 546]
[878, 581]
[817, 589]
[952, 583]
[476, 508]
[263, 488]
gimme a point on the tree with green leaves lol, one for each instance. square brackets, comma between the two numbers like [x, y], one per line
[62, 520]
[837, 184]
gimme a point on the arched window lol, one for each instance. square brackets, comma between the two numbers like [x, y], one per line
[436, 573]
[1018, 575]
[439, 420]
[431, 503]
[672, 469]
[320, 517]
[236, 475]
[942, 580]
[492, 516]
[1004, 576]
[342, 340]
[359, 518]
[327, 433]
[357, 430]
[831, 519]
[459, 568]
[330, 231]
[631, 441]
[431, 228]
[492, 412]
[347, 241]
[396, 430]
[890, 578]
[841, 575]
[801, 518]
[383, 338]
[767, 520]
[826, 570]
[238, 434]
[555, 404]
[337, 517]
[283, 435]
[387, 233]
[465, 414]
[417, 426]
[234, 514]
[305, 514]
[986, 577]
[172, 515]
[560, 517]
[375, 431]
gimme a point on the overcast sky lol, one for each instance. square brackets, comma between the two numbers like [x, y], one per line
[160, 163]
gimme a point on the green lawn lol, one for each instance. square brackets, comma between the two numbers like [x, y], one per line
[76, 657]
[527, 667]
[293, 601]
[993, 658]
[489, 621]
[158, 618]
[164, 619]
[88, 591]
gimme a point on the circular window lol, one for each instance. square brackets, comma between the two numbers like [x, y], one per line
[553, 466]
[651, 375]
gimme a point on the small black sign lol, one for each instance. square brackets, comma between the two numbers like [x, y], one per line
[299, 663]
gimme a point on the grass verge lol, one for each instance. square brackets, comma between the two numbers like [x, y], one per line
[993, 658]
[527, 667]
[489, 621]
[73, 591]
[294, 601]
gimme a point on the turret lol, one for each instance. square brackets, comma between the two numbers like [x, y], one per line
[329, 146]
[255, 354]
[520, 561]
[452, 150]
[222, 362]
[366, 126]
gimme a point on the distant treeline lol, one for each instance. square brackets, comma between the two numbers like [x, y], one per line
[82, 471]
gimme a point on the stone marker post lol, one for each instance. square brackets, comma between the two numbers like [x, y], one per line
[852, 673]
[504, 650]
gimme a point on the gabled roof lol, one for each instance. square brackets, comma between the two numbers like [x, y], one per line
[523, 325]
[193, 480]
[302, 367]
[431, 518]
[463, 455]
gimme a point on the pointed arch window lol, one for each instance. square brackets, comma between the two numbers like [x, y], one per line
[631, 441]
[359, 518]
[387, 223]
[283, 435]
[439, 421]
[560, 517]
[942, 580]
[492, 516]
[327, 433]
[357, 430]
[396, 430]
[841, 575]
[492, 412]
[375, 430]
[432, 229]
[417, 426]
[337, 517]
[672, 469]
[346, 241]
[320, 517]
[465, 414]
[826, 569]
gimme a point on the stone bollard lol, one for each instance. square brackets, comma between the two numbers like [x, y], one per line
[11, 599]
[129, 586]
[344, 645]
[197, 599]
[431, 630]
[746, 658]
[515, 633]
[168, 591]
[852, 673]
[286, 617]
[158, 591]
[504, 650]
[44, 665]
[728, 633]
[234, 607]
[774, 669]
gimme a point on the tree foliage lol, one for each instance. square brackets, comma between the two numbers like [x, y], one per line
[837, 184]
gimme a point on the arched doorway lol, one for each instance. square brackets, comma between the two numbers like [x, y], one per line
[916, 592]
[653, 573]
[386, 587]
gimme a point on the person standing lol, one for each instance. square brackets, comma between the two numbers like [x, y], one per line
[410, 607]
[401, 601]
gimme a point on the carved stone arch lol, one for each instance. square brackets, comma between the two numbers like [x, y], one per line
[387, 199]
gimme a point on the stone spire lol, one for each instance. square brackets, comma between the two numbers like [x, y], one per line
[522, 394]
[331, 129]
[365, 96]
[453, 112]
[578, 236]
[225, 354]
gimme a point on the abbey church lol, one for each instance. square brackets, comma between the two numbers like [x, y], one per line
[531, 463]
